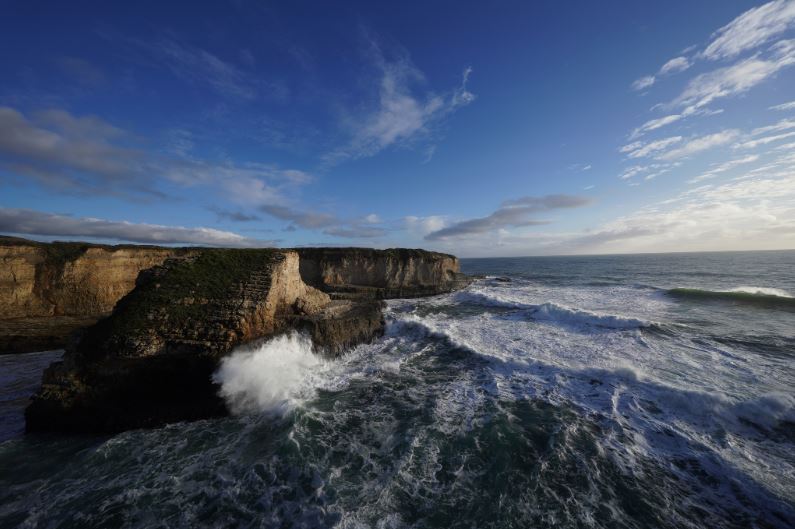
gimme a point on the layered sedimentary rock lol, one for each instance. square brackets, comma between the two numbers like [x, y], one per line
[151, 361]
[380, 274]
[47, 291]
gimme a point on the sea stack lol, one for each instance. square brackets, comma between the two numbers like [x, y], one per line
[151, 360]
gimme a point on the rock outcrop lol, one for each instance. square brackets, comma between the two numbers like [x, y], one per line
[150, 362]
[47, 291]
[380, 274]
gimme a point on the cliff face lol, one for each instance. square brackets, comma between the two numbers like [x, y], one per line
[150, 362]
[49, 290]
[381, 274]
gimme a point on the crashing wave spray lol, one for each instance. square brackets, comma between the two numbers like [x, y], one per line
[269, 377]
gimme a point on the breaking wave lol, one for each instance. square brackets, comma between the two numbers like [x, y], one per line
[751, 295]
[553, 312]
[558, 313]
[269, 377]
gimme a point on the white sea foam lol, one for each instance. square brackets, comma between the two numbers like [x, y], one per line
[558, 313]
[270, 376]
[552, 312]
[762, 291]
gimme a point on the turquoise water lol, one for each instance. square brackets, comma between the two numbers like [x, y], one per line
[621, 391]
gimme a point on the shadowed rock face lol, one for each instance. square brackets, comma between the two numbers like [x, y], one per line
[150, 362]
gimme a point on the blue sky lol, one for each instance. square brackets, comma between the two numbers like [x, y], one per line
[511, 128]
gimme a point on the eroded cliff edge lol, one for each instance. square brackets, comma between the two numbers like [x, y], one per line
[150, 362]
[49, 290]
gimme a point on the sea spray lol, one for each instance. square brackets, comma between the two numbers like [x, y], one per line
[270, 376]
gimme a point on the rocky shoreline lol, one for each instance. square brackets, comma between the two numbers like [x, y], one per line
[150, 361]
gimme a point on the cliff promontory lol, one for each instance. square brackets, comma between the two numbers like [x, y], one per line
[151, 361]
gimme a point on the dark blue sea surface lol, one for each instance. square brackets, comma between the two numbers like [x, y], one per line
[605, 391]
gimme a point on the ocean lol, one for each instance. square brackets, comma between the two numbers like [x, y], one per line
[605, 391]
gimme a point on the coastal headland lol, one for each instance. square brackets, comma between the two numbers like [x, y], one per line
[144, 328]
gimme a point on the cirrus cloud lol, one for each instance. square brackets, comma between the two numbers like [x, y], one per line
[512, 213]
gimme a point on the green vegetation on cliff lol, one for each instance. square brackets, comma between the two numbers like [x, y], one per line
[185, 290]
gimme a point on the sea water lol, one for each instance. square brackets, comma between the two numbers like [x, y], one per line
[610, 391]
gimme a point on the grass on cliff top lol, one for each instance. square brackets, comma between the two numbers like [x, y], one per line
[214, 274]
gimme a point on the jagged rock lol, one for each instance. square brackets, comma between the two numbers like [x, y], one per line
[150, 362]
[343, 324]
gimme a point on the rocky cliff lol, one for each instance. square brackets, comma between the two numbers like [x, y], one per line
[151, 361]
[380, 274]
[49, 290]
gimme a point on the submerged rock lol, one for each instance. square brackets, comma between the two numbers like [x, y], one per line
[151, 361]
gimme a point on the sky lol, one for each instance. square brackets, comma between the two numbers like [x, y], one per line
[481, 129]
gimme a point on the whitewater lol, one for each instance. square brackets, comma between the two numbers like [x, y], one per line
[615, 391]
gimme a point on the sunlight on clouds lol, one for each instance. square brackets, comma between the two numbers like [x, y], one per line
[700, 144]
[751, 144]
[751, 29]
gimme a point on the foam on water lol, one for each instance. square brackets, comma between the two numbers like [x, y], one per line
[520, 402]
[726, 414]
[270, 376]
[552, 311]
[764, 291]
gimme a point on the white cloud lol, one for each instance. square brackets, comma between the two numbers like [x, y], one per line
[333, 225]
[749, 214]
[512, 213]
[424, 225]
[784, 106]
[30, 222]
[649, 171]
[751, 29]
[737, 78]
[784, 124]
[655, 124]
[751, 144]
[726, 166]
[675, 65]
[400, 115]
[641, 150]
[700, 144]
[755, 211]
[643, 82]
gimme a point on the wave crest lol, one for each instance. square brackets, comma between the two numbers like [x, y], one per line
[757, 295]
[559, 313]
[553, 312]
